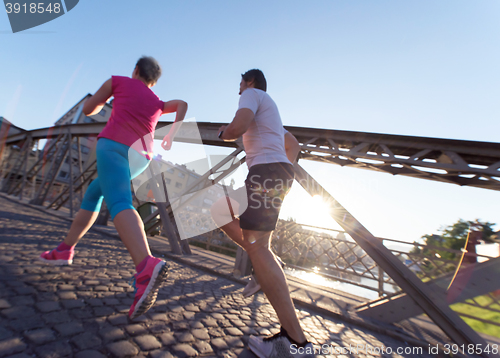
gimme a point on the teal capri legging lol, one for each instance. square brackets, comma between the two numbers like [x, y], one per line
[117, 165]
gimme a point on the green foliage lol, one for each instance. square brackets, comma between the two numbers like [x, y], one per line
[452, 237]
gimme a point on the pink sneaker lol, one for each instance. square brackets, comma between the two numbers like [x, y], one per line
[56, 257]
[146, 284]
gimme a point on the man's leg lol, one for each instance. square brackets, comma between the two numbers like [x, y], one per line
[272, 281]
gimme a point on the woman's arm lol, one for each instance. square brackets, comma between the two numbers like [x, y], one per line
[94, 104]
[180, 109]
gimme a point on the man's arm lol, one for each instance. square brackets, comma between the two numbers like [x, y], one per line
[292, 147]
[239, 125]
[94, 104]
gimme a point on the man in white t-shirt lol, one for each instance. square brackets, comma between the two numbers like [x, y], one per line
[269, 179]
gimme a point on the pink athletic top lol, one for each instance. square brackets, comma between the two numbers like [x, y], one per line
[136, 111]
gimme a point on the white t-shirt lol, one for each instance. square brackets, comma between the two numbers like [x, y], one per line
[264, 140]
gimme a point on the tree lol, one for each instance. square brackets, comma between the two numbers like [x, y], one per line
[453, 237]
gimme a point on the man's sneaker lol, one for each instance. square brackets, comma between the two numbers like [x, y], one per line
[279, 346]
[251, 288]
[146, 284]
[253, 285]
[56, 257]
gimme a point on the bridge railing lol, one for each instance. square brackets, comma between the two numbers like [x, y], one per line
[354, 252]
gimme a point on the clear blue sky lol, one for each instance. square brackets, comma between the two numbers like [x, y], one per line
[423, 68]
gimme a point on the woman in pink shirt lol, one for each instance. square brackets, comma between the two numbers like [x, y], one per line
[123, 151]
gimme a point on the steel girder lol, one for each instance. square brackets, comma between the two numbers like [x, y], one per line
[461, 162]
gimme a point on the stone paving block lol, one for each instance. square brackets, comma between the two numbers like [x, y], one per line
[175, 316]
[92, 283]
[95, 302]
[192, 308]
[196, 325]
[90, 354]
[122, 349]
[55, 349]
[234, 341]
[219, 344]
[147, 342]
[21, 355]
[111, 334]
[11, 346]
[56, 317]
[159, 317]
[111, 301]
[158, 327]
[5, 333]
[161, 354]
[238, 323]
[69, 304]
[26, 323]
[86, 340]
[82, 313]
[180, 326]
[4, 304]
[188, 315]
[233, 331]
[24, 301]
[248, 331]
[67, 295]
[69, 329]
[66, 287]
[168, 339]
[264, 331]
[103, 311]
[209, 322]
[118, 320]
[48, 306]
[217, 316]
[225, 323]
[40, 336]
[25, 290]
[184, 337]
[184, 350]
[135, 329]
[203, 347]
[201, 334]
[18, 312]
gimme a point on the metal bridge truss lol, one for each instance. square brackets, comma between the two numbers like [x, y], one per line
[466, 163]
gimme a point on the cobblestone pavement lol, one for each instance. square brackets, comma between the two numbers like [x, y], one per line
[81, 310]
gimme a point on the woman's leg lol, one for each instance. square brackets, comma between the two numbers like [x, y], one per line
[87, 215]
[130, 227]
[117, 164]
[82, 222]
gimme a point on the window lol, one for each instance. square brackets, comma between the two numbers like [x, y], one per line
[85, 149]
[63, 174]
[167, 180]
[181, 175]
[171, 170]
[178, 185]
[102, 112]
[88, 120]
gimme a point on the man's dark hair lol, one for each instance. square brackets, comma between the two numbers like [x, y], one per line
[257, 77]
[149, 69]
